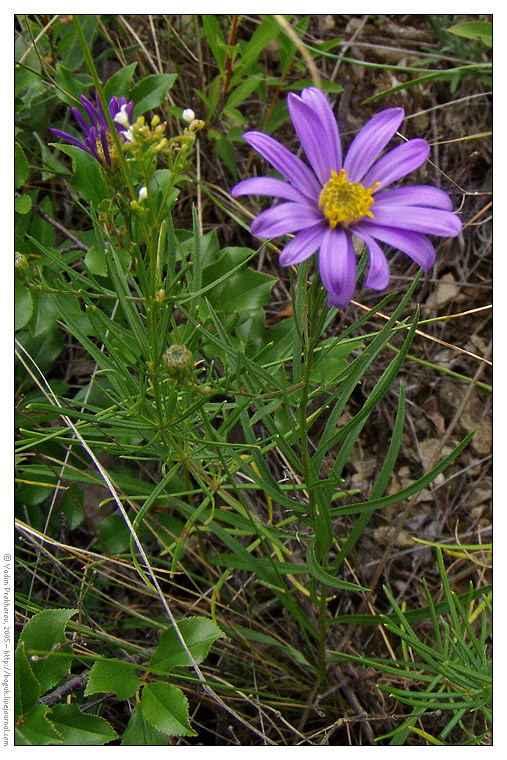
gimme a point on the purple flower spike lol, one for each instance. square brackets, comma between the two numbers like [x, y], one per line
[327, 204]
[98, 141]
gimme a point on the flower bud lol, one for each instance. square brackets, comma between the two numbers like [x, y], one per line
[188, 115]
[178, 360]
[143, 194]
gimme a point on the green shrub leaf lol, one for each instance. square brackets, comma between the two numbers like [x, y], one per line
[199, 634]
[165, 707]
[79, 728]
[116, 676]
[27, 688]
[21, 168]
[140, 733]
[42, 637]
[36, 729]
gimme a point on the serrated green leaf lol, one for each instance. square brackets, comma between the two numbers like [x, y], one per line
[165, 707]
[118, 84]
[23, 305]
[79, 728]
[139, 733]
[199, 633]
[50, 163]
[27, 688]
[21, 168]
[22, 204]
[86, 176]
[111, 675]
[150, 92]
[36, 729]
[68, 82]
[42, 636]
[331, 360]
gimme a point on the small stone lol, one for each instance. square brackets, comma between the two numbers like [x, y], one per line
[445, 292]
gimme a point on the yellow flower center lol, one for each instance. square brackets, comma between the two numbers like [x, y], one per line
[113, 153]
[345, 202]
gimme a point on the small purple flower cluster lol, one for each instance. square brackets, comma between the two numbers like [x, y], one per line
[98, 141]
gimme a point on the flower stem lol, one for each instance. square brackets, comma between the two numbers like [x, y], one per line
[310, 323]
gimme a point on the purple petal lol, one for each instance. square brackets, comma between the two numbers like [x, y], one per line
[72, 140]
[284, 218]
[370, 141]
[105, 146]
[273, 188]
[378, 269]
[320, 147]
[398, 163]
[113, 106]
[91, 139]
[415, 195]
[415, 245]
[303, 245]
[80, 120]
[320, 104]
[282, 159]
[94, 116]
[100, 111]
[430, 221]
[337, 267]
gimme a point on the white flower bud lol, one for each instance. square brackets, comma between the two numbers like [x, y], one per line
[143, 193]
[188, 115]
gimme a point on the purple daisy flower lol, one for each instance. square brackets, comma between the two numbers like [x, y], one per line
[335, 199]
[98, 141]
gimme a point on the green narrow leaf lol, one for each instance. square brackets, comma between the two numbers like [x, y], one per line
[265, 33]
[43, 636]
[199, 634]
[165, 707]
[79, 728]
[37, 730]
[380, 485]
[215, 38]
[139, 733]
[321, 575]
[116, 676]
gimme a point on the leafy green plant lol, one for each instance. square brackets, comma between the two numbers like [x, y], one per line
[188, 415]
[447, 672]
[46, 661]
